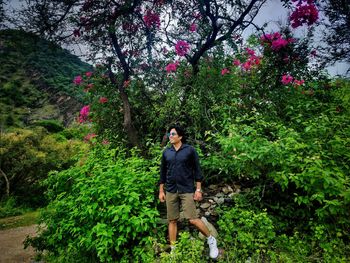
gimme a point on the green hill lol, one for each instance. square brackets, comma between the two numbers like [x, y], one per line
[36, 80]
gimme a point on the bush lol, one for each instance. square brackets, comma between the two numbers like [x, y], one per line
[50, 125]
[245, 232]
[101, 210]
[188, 249]
[9, 207]
[27, 156]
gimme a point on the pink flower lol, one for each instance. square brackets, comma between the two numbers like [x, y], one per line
[246, 65]
[105, 142]
[298, 82]
[304, 14]
[270, 37]
[88, 74]
[278, 44]
[250, 52]
[89, 137]
[236, 62]
[182, 48]
[78, 80]
[193, 27]
[171, 67]
[256, 61]
[103, 100]
[84, 114]
[225, 71]
[151, 19]
[286, 79]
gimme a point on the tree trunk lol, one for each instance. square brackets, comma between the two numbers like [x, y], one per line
[127, 124]
[7, 193]
[130, 129]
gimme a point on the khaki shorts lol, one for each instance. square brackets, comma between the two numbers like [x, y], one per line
[173, 201]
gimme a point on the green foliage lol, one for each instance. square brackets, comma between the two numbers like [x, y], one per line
[26, 158]
[248, 232]
[103, 209]
[9, 207]
[187, 249]
[302, 156]
[50, 125]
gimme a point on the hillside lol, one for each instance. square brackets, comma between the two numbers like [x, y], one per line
[36, 80]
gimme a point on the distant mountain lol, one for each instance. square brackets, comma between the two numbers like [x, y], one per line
[36, 80]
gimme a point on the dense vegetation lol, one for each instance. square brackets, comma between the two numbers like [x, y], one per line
[36, 104]
[261, 112]
[287, 144]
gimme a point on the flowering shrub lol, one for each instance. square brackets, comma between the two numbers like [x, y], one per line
[305, 13]
[88, 74]
[89, 137]
[236, 62]
[225, 71]
[78, 80]
[286, 79]
[275, 41]
[84, 114]
[251, 60]
[182, 48]
[151, 19]
[103, 100]
[171, 67]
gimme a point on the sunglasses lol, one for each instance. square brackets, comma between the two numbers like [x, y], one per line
[172, 134]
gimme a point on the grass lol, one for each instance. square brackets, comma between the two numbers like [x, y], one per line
[26, 219]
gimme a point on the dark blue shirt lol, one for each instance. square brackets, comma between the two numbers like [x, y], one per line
[180, 169]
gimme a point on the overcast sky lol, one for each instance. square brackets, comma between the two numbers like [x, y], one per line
[272, 13]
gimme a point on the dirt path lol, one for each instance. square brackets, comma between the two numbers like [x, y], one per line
[11, 245]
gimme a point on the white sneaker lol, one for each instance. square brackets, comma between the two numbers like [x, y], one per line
[213, 249]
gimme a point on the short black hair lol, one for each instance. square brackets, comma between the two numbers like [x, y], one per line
[180, 131]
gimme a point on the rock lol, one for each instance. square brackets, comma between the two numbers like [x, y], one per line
[237, 187]
[213, 187]
[219, 201]
[227, 189]
[218, 195]
[211, 228]
[205, 205]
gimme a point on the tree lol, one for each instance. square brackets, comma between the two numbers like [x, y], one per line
[130, 37]
[337, 35]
